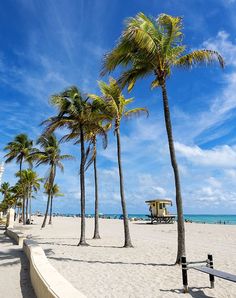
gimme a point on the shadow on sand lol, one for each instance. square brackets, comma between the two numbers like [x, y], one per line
[109, 262]
[194, 292]
[38, 239]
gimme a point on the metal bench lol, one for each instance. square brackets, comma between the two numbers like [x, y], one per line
[208, 269]
[217, 273]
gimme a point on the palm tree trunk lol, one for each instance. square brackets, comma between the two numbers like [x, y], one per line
[96, 217]
[179, 205]
[51, 182]
[27, 207]
[128, 242]
[21, 161]
[82, 189]
[23, 205]
[30, 203]
[23, 211]
[30, 208]
[50, 212]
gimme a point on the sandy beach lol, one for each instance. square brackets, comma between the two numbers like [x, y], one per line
[105, 269]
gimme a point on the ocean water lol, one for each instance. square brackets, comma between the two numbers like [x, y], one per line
[202, 218]
[209, 218]
[198, 218]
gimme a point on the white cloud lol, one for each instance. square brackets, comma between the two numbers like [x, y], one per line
[206, 124]
[231, 173]
[224, 46]
[222, 156]
[228, 1]
[214, 182]
[218, 110]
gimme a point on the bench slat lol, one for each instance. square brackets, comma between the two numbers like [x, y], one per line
[217, 273]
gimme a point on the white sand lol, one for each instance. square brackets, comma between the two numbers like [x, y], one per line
[106, 270]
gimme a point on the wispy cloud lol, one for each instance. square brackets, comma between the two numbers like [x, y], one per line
[222, 156]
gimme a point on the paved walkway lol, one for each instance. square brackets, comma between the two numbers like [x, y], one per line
[14, 270]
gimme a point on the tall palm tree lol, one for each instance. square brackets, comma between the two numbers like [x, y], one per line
[151, 46]
[75, 114]
[114, 104]
[49, 154]
[19, 149]
[99, 130]
[55, 192]
[29, 182]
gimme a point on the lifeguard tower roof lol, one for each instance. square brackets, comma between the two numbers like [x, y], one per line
[166, 201]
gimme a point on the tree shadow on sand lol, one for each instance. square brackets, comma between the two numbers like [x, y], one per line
[56, 243]
[194, 292]
[38, 239]
[110, 262]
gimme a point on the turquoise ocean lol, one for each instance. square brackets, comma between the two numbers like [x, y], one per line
[197, 218]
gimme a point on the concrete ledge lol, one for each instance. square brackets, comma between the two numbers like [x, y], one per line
[46, 280]
[17, 236]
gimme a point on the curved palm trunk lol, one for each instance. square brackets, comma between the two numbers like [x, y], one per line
[50, 212]
[51, 182]
[181, 231]
[128, 242]
[96, 218]
[82, 189]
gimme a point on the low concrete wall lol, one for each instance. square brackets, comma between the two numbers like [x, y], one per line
[17, 236]
[45, 279]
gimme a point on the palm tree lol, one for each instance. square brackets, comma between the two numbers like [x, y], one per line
[101, 129]
[114, 104]
[150, 46]
[19, 149]
[5, 189]
[75, 114]
[8, 199]
[55, 192]
[49, 154]
[18, 193]
[29, 182]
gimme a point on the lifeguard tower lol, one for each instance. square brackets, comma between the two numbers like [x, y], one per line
[158, 210]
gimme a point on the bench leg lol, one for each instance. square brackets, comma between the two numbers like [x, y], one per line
[211, 277]
[184, 274]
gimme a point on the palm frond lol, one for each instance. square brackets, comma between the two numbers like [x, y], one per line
[171, 28]
[67, 157]
[136, 112]
[200, 56]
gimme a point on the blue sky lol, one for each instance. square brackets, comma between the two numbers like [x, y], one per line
[48, 45]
